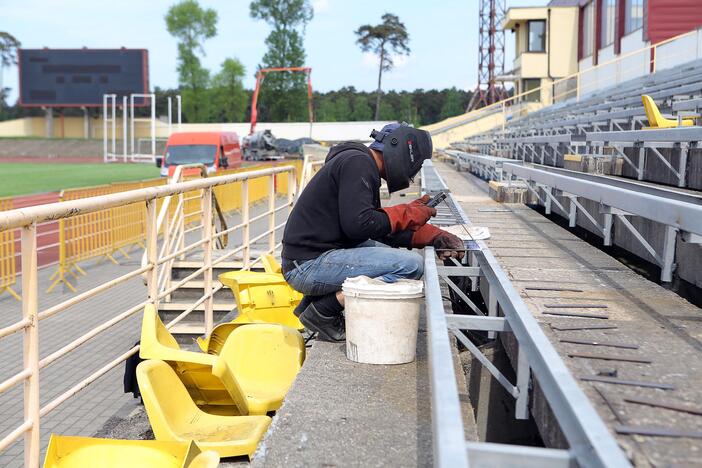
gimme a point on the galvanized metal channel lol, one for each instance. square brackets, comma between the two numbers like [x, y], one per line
[590, 443]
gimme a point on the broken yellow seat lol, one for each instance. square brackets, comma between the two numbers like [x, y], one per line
[175, 417]
[87, 452]
[258, 364]
[656, 119]
[263, 297]
[271, 265]
[194, 369]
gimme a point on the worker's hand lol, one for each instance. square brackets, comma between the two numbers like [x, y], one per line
[408, 216]
[449, 245]
[421, 201]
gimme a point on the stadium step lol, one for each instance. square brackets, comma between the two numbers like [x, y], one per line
[194, 289]
[192, 326]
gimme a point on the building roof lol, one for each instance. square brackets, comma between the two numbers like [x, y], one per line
[564, 3]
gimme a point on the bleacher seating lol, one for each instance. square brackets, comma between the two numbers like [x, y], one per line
[533, 138]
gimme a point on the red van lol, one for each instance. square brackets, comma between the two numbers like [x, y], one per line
[217, 150]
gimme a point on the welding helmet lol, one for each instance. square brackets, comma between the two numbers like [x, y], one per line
[404, 150]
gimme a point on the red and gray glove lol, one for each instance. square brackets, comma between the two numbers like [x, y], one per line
[421, 201]
[409, 216]
[446, 244]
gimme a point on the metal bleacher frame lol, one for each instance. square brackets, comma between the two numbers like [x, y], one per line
[590, 443]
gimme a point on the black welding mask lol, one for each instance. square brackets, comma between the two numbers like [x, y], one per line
[404, 150]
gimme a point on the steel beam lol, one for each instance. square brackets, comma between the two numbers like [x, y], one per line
[651, 203]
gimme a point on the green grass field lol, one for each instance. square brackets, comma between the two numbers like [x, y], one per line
[24, 179]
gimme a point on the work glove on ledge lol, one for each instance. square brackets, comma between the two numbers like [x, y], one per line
[408, 216]
[446, 244]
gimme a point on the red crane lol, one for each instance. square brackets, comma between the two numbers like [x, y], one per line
[259, 80]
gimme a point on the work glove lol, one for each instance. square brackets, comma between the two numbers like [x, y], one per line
[408, 216]
[421, 201]
[446, 244]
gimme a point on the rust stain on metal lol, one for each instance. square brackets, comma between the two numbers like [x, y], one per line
[671, 405]
[633, 383]
[599, 343]
[611, 357]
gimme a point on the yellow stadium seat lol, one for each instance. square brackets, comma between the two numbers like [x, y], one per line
[213, 343]
[87, 452]
[258, 364]
[263, 297]
[656, 120]
[193, 368]
[271, 265]
[175, 417]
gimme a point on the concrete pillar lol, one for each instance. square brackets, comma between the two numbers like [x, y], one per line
[86, 123]
[49, 121]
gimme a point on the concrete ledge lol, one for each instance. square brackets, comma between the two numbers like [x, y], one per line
[340, 413]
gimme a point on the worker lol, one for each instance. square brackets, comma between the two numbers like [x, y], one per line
[338, 229]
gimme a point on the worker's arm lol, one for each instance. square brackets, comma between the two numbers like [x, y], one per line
[359, 218]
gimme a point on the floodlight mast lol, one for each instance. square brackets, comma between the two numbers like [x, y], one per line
[491, 54]
[260, 75]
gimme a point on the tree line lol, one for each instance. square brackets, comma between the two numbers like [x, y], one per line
[220, 96]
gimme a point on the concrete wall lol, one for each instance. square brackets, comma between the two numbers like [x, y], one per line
[74, 128]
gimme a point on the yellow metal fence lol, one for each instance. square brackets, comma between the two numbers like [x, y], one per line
[8, 269]
[106, 232]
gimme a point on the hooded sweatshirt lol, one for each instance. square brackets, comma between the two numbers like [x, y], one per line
[339, 207]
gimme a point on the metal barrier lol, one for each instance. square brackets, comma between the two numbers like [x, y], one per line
[590, 443]
[618, 198]
[27, 220]
[8, 270]
[100, 233]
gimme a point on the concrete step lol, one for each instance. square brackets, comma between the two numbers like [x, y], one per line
[193, 325]
[184, 268]
[194, 289]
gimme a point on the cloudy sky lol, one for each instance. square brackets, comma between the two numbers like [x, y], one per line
[443, 37]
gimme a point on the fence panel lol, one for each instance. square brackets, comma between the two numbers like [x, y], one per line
[8, 268]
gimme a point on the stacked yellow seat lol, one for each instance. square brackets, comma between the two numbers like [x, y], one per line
[85, 452]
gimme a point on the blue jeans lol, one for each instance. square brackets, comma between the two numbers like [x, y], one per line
[326, 273]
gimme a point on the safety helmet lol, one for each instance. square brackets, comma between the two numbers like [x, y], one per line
[404, 150]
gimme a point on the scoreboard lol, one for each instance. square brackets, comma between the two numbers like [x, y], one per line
[80, 77]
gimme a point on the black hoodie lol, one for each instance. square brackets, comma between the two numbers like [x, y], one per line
[339, 207]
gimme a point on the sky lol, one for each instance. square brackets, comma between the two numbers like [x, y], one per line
[443, 38]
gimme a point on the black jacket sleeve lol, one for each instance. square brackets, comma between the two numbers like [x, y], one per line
[398, 239]
[357, 182]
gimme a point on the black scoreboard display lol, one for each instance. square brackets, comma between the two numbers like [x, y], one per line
[80, 77]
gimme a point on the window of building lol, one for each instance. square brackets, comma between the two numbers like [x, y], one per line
[588, 35]
[608, 15]
[531, 84]
[537, 36]
[633, 15]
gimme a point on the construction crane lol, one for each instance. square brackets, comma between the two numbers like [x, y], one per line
[491, 54]
[259, 80]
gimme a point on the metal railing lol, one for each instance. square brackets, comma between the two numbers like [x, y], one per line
[27, 220]
[590, 443]
[679, 212]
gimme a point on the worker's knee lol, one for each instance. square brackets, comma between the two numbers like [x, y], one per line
[411, 266]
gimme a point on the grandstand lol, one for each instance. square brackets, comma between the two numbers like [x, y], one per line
[538, 349]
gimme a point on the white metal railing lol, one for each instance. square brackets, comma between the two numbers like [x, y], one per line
[27, 219]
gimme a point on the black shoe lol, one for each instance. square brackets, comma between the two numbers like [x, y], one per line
[328, 328]
[304, 302]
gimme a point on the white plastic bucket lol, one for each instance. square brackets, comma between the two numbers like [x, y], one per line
[382, 320]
